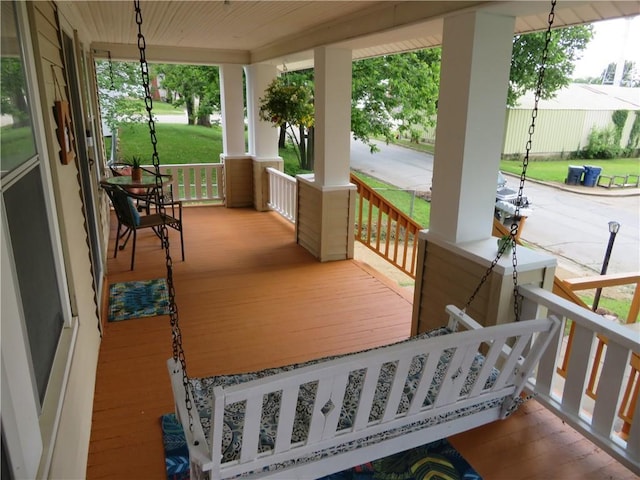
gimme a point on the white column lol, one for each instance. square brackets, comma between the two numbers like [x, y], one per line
[232, 102]
[333, 115]
[476, 56]
[263, 136]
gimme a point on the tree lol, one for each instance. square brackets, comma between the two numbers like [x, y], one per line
[394, 91]
[288, 103]
[118, 83]
[198, 88]
[13, 96]
[564, 49]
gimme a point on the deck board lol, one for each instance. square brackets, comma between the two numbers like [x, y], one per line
[250, 298]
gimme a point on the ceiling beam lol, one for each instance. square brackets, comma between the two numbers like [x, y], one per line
[168, 54]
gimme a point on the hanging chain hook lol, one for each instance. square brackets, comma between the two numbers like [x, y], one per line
[178, 351]
[513, 231]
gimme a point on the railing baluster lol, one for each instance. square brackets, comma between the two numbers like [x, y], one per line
[567, 397]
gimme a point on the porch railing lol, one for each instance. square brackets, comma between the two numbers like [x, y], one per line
[196, 182]
[384, 229]
[283, 196]
[595, 418]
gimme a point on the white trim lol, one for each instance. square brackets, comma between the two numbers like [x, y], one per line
[52, 409]
[41, 147]
[19, 413]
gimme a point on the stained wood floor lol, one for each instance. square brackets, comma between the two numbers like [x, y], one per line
[250, 298]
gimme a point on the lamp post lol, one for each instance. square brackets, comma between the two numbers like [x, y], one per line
[614, 227]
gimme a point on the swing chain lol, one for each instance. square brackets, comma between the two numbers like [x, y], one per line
[178, 351]
[513, 231]
[111, 70]
[517, 298]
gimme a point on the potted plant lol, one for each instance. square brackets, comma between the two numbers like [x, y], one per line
[136, 171]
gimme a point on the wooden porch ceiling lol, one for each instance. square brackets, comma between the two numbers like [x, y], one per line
[250, 298]
[244, 32]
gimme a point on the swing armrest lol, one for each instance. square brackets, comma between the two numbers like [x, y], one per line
[459, 318]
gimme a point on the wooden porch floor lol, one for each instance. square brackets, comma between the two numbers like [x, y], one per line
[250, 298]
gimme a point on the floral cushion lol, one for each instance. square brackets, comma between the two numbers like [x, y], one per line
[234, 413]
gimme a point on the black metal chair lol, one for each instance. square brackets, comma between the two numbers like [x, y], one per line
[130, 220]
[141, 194]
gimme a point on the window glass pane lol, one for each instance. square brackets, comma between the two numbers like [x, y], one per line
[17, 144]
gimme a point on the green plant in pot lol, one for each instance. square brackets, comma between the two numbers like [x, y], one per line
[136, 171]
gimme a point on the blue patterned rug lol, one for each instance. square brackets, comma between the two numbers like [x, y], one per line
[138, 299]
[434, 461]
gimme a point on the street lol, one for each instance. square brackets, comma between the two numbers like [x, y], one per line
[571, 226]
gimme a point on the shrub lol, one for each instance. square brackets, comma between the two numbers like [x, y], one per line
[602, 144]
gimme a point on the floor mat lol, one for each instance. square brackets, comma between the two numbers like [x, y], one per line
[138, 299]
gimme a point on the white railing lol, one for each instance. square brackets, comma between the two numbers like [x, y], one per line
[283, 193]
[196, 182]
[597, 419]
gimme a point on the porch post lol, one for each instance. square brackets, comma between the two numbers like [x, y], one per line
[232, 102]
[326, 199]
[476, 58]
[458, 248]
[246, 182]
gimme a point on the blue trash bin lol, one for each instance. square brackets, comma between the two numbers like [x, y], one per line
[591, 174]
[574, 175]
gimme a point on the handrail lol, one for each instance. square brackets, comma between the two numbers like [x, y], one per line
[283, 192]
[196, 182]
[595, 418]
[391, 234]
[611, 280]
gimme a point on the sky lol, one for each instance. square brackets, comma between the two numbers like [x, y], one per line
[611, 40]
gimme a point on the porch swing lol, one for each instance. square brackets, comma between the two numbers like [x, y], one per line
[323, 416]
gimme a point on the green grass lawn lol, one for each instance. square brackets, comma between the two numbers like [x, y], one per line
[556, 170]
[158, 108]
[401, 199]
[176, 143]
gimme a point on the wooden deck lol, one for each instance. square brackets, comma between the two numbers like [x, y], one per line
[250, 298]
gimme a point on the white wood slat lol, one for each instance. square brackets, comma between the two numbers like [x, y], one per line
[609, 388]
[465, 368]
[366, 397]
[633, 441]
[487, 367]
[337, 398]
[508, 368]
[446, 393]
[397, 387]
[323, 394]
[216, 431]
[425, 381]
[577, 369]
[286, 418]
[251, 428]
[547, 365]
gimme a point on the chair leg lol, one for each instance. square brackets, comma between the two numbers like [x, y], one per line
[133, 248]
[181, 242]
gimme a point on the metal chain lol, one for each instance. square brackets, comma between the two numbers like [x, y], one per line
[178, 351]
[513, 231]
[110, 70]
[517, 298]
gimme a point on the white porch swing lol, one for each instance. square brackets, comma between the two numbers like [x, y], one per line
[320, 417]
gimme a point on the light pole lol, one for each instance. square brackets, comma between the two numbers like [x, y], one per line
[614, 227]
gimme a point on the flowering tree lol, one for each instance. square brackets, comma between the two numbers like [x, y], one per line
[288, 103]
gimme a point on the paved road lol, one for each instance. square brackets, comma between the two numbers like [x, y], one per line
[572, 226]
